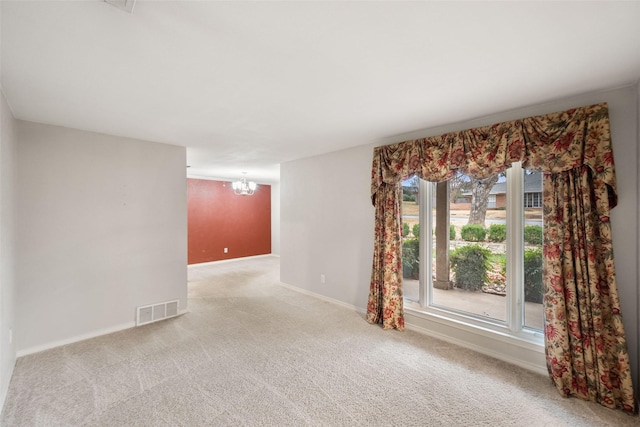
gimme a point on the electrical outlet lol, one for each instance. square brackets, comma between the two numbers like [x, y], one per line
[226, 250]
[10, 336]
[322, 278]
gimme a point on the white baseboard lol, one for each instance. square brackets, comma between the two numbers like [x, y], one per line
[82, 337]
[71, 340]
[222, 261]
[536, 364]
[324, 298]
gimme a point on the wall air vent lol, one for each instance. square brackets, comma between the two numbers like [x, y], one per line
[154, 312]
[126, 5]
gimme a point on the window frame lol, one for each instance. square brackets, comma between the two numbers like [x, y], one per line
[513, 328]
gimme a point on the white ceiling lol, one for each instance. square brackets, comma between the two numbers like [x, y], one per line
[248, 85]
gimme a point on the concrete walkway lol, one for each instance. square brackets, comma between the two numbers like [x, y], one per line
[479, 303]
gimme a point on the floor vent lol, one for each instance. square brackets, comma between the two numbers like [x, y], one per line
[155, 312]
[126, 5]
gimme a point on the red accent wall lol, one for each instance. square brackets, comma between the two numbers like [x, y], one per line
[219, 219]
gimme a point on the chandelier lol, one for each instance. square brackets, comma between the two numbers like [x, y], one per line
[244, 187]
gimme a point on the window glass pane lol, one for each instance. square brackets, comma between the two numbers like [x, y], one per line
[470, 227]
[410, 239]
[533, 315]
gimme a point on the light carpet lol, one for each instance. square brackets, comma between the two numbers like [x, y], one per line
[252, 352]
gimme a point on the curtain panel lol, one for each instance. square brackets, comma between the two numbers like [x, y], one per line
[585, 343]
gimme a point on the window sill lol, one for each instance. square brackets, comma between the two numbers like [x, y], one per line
[525, 349]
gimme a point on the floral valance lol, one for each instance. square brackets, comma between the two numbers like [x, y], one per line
[554, 142]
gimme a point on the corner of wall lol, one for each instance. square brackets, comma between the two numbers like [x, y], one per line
[638, 222]
[275, 219]
[8, 165]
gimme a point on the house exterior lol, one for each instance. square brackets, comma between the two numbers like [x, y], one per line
[498, 194]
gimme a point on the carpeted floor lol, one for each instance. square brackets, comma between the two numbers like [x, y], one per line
[252, 352]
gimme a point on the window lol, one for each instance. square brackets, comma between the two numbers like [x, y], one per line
[491, 201]
[487, 273]
[533, 200]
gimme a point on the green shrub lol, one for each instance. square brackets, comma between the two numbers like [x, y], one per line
[533, 289]
[411, 258]
[533, 234]
[405, 229]
[473, 233]
[497, 233]
[408, 198]
[470, 264]
[500, 260]
[452, 232]
[416, 230]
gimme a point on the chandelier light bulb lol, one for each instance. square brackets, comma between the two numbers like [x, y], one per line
[244, 187]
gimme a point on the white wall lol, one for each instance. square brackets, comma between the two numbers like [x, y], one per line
[275, 219]
[101, 228]
[327, 224]
[637, 245]
[327, 218]
[8, 156]
[623, 111]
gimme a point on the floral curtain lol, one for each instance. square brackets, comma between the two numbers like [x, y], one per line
[385, 302]
[585, 343]
[581, 303]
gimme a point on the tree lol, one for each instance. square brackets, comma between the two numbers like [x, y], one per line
[480, 189]
[415, 184]
[457, 184]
